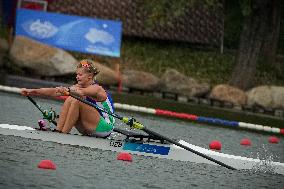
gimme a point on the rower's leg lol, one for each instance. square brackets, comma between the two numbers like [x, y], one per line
[72, 116]
[89, 117]
[63, 114]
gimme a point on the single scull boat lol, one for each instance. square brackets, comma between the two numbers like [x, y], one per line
[140, 144]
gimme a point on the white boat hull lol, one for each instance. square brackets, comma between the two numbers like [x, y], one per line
[168, 151]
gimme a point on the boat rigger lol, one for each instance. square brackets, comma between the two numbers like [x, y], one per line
[141, 145]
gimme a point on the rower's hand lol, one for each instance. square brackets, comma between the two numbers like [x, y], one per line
[27, 92]
[62, 91]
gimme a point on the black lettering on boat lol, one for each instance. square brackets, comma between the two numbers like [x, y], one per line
[115, 143]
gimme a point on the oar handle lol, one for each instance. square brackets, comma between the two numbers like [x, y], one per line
[36, 105]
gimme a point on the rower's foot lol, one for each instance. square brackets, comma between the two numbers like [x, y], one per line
[56, 131]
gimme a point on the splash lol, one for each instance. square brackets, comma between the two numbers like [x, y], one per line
[265, 165]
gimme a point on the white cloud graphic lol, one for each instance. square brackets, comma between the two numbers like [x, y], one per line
[94, 35]
[40, 30]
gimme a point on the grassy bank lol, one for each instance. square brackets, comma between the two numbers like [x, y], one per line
[205, 65]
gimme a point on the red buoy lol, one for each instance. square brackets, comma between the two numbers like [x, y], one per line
[46, 164]
[245, 142]
[124, 156]
[273, 139]
[215, 145]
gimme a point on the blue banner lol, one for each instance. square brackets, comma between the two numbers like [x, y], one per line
[73, 33]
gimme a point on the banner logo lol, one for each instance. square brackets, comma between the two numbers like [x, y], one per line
[40, 30]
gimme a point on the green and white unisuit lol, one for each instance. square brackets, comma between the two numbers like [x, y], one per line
[106, 123]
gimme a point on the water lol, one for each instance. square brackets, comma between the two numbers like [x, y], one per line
[79, 167]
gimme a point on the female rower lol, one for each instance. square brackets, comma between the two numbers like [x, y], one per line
[86, 119]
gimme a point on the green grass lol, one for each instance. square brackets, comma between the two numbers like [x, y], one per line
[155, 57]
[205, 65]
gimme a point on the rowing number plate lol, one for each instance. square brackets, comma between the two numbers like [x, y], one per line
[115, 143]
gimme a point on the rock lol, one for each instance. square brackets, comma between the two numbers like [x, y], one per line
[174, 81]
[139, 80]
[42, 59]
[106, 76]
[266, 96]
[228, 93]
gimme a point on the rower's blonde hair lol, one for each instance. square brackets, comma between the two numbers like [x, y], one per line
[89, 65]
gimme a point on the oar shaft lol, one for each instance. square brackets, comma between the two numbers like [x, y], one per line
[36, 105]
[150, 132]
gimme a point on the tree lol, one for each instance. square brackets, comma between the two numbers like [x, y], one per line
[269, 48]
[259, 36]
[258, 40]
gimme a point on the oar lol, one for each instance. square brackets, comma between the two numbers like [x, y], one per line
[38, 107]
[134, 124]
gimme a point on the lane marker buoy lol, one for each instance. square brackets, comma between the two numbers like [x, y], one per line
[245, 142]
[46, 164]
[215, 145]
[273, 140]
[124, 156]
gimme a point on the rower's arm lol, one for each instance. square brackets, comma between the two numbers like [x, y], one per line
[96, 92]
[42, 92]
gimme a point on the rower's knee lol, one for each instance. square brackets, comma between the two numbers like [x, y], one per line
[75, 102]
[68, 100]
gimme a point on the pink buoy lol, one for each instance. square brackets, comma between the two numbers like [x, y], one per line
[46, 164]
[124, 156]
[273, 139]
[215, 145]
[245, 142]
